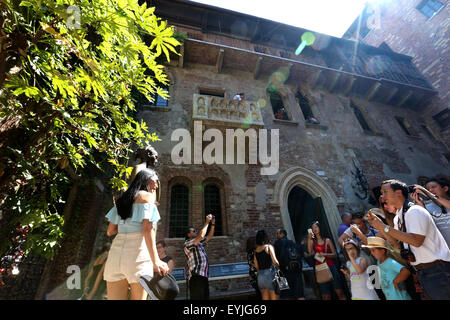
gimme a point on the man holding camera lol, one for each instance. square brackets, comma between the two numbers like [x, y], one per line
[420, 241]
[197, 260]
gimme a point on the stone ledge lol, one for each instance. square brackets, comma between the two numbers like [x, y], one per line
[287, 122]
[316, 126]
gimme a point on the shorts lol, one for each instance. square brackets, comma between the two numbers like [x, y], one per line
[335, 284]
[265, 278]
[128, 258]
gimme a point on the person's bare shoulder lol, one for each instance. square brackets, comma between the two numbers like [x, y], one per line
[145, 197]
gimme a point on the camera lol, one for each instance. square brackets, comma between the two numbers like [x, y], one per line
[407, 255]
[423, 197]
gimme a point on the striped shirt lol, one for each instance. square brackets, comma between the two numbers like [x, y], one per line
[197, 259]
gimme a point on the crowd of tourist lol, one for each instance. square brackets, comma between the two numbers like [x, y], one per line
[399, 251]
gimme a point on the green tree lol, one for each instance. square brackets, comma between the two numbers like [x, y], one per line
[67, 68]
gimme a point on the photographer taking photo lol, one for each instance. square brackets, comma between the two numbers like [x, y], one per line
[438, 191]
[197, 260]
[421, 242]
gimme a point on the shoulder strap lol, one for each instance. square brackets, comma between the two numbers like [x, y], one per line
[405, 208]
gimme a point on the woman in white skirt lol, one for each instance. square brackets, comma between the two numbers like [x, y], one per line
[133, 251]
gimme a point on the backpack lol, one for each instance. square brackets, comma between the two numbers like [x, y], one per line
[290, 257]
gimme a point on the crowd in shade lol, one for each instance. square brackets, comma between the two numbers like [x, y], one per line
[399, 251]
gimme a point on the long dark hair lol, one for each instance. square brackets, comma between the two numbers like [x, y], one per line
[251, 244]
[443, 183]
[320, 231]
[261, 238]
[124, 204]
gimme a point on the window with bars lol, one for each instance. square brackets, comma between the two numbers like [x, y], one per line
[429, 7]
[179, 211]
[213, 205]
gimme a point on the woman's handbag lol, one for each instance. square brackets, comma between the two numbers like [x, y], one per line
[279, 282]
[323, 273]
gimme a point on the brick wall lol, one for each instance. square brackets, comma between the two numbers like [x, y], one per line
[406, 30]
[385, 153]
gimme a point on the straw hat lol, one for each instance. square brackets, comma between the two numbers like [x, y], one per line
[376, 242]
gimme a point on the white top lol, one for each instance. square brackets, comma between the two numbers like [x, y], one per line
[441, 220]
[359, 283]
[419, 221]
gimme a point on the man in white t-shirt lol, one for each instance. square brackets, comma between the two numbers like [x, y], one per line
[421, 236]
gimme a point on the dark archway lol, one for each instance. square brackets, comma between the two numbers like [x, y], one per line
[303, 211]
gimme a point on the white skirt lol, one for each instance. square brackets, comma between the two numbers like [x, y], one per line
[128, 258]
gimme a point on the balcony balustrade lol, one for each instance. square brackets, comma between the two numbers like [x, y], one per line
[220, 111]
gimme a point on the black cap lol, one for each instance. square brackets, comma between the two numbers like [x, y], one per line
[163, 288]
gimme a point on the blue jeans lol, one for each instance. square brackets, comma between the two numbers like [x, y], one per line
[435, 281]
[265, 278]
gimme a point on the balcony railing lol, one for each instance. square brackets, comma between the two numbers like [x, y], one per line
[217, 110]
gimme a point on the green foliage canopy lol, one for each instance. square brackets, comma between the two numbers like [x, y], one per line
[67, 68]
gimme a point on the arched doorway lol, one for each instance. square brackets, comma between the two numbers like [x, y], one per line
[303, 211]
[324, 199]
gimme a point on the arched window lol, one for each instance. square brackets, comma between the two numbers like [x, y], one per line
[306, 109]
[213, 205]
[179, 210]
[359, 115]
[279, 109]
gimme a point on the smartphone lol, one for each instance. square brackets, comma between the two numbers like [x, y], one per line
[310, 231]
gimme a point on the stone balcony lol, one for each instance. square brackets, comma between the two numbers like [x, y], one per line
[214, 111]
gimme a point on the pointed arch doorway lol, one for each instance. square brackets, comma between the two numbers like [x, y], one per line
[303, 211]
[306, 197]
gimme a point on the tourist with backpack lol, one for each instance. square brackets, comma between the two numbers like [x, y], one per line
[289, 257]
